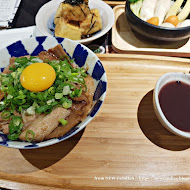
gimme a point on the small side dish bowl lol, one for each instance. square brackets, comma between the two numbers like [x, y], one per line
[164, 80]
[97, 48]
[82, 56]
[45, 19]
[154, 32]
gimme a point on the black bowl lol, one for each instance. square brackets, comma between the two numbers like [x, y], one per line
[155, 32]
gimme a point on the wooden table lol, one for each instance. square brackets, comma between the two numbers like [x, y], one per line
[124, 147]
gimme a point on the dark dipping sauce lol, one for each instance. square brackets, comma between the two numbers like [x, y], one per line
[174, 98]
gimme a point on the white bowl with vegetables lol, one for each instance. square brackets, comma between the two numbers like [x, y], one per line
[51, 88]
[162, 20]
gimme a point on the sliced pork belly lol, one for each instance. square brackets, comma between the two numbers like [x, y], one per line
[79, 110]
[59, 52]
[5, 127]
[29, 119]
[44, 125]
[44, 55]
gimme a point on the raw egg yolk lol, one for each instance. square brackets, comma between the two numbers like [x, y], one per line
[173, 20]
[38, 77]
[153, 20]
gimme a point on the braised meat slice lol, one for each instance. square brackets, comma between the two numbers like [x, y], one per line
[47, 56]
[79, 110]
[59, 52]
[45, 124]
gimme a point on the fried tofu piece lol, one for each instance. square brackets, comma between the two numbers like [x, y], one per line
[72, 12]
[58, 13]
[92, 23]
[67, 30]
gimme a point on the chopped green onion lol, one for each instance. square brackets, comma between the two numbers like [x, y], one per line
[33, 95]
[31, 110]
[66, 90]
[15, 127]
[36, 60]
[40, 96]
[17, 120]
[50, 101]
[53, 103]
[42, 109]
[21, 97]
[81, 80]
[13, 74]
[67, 105]
[63, 121]
[6, 114]
[84, 75]
[13, 136]
[35, 105]
[80, 92]
[19, 101]
[74, 74]
[9, 96]
[58, 95]
[51, 90]
[22, 60]
[28, 137]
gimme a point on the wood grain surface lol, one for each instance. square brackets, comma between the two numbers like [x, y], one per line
[124, 147]
[124, 40]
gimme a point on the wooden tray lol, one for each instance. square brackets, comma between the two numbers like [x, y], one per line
[123, 147]
[114, 3]
[125, 41]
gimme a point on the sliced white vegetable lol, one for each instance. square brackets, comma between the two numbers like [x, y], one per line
[184, 23]
[168, 25]
[135, 7]
[179, 10]
[147, 9]
[184, 12]
[174, 9]
[162, 7]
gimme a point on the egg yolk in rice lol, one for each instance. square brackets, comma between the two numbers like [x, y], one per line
[38, 77]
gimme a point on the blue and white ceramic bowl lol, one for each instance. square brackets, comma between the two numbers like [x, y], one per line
[82, 56]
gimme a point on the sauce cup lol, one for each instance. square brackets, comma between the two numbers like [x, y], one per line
[163, 80]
